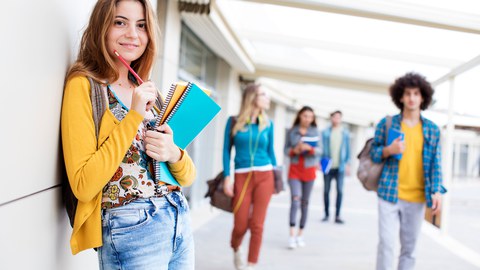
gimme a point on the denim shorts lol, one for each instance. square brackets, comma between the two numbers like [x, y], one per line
[146, 234]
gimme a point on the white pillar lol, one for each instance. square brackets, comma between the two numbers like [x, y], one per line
[165, 71]
[279, 131]
[447, 169]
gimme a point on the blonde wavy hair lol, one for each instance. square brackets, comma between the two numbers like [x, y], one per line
[246, 109]
[95, 61]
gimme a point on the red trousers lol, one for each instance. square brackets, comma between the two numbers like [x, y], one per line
[252, 211]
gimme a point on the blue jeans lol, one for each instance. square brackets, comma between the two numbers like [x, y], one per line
[338, 175]
[148, 234]
[301, 191]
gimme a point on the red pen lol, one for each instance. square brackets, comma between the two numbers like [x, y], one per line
[139, 80]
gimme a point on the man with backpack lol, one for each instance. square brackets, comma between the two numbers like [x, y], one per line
[412, 174]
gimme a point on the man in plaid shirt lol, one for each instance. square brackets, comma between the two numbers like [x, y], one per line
[412, 174]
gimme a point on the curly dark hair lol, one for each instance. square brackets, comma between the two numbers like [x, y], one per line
[411, 80]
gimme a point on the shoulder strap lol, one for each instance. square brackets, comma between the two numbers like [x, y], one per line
[99, 104]
[387, 127]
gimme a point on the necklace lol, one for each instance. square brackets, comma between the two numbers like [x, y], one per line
[254, 149]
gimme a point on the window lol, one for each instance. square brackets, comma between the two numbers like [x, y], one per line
[197, 62]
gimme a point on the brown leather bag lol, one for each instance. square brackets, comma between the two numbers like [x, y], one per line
[368, 171]
[218, 198]
[278, 180]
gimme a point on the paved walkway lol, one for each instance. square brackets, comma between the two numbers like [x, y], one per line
[338, 247]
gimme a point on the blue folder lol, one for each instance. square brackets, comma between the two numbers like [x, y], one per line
[326, 164]
[392, 135]
[192, 113]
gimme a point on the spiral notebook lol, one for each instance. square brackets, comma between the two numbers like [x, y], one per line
[188, 110]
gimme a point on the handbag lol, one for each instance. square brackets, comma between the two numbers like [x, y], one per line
[278, 180]
[218, 198]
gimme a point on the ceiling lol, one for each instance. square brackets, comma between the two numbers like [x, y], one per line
[343, 54]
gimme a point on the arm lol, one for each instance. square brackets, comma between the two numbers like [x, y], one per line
[436, 166]
[287, 149]
[89, 169]
[183, 170]
[227, 146]
[377, 151]
[325, 144]
[271, 152]
[317, 150]
[347, 146]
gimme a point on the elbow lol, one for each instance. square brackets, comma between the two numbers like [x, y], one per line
[81, 190]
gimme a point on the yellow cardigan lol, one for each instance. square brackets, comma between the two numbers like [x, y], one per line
[89, 169]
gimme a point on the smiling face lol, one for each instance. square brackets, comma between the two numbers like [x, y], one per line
[128, 34]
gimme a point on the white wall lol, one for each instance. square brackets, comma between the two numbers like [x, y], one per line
[39, 41]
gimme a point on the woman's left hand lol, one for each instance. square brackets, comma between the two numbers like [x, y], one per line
[160, 146]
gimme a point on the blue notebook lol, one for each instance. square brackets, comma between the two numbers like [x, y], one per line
[192, 112]
[312, 141]
[326, 164]
[392, 135]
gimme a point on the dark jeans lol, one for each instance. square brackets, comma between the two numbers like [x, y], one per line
[300, 191]
[333, 173]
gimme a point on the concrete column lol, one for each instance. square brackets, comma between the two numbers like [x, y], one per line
[165, 71]
[359, 134]
[280, 126]
[448, 157]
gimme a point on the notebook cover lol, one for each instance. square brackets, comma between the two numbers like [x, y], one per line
[312, 141]
[189, 117]
[179, 90]
[193, 114]
[392, 135]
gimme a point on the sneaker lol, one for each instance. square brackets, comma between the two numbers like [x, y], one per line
[300, 241]
[325, 219]
[238, 260]
[339, 220]
[292, 243]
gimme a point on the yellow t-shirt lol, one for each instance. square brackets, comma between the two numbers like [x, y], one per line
[411, 182]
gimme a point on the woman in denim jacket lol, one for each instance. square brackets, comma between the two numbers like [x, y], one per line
[303, 148]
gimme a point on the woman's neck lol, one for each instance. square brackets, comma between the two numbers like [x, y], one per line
[254, 115]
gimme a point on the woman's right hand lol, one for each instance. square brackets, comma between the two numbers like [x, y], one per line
[228, 187]
[143, 97]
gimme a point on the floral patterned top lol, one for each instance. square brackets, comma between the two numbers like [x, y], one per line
[134, 177]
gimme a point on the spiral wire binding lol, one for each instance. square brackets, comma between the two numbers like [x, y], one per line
[158, 122]
[156, 168]
[179, 102]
